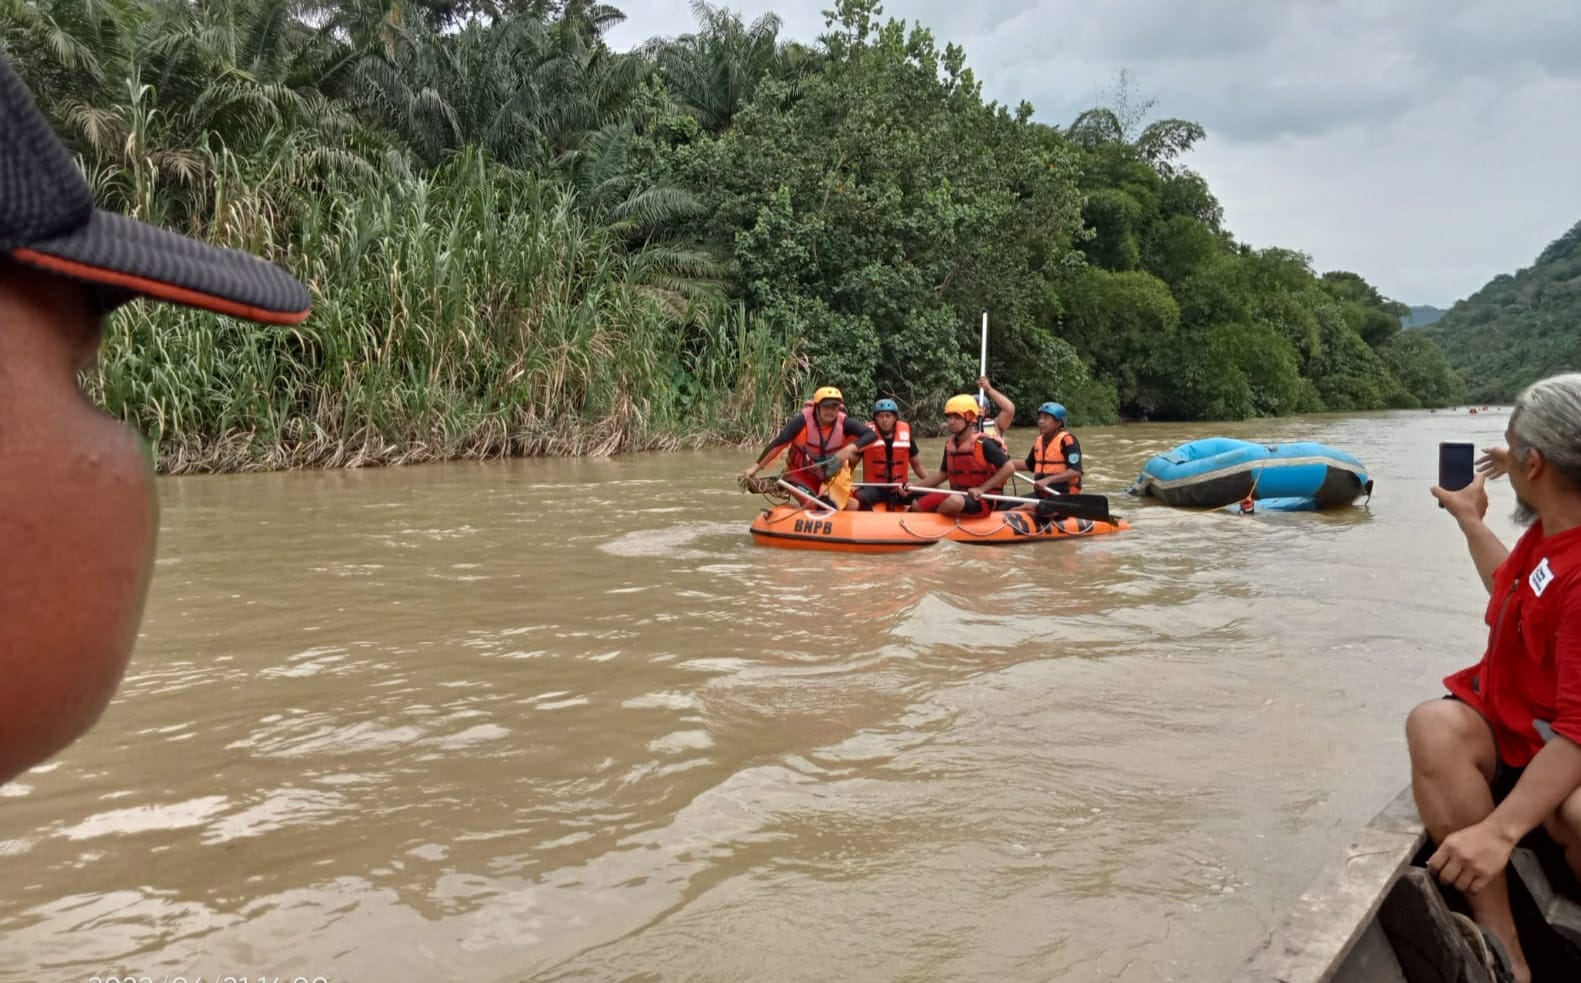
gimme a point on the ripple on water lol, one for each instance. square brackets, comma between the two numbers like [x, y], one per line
[668, 541]
[302, 735]
[280, 808]
[138, 819]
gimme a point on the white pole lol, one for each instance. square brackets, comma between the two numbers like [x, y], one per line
[982, 362]
[982, 370]
[808, 501]
[988, 497]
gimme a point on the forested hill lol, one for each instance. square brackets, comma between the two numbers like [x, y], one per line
[521, 240]
[1422, 315]
[1519, 327]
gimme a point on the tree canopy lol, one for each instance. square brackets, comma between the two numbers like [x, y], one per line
[776, 214]
[1519, 327]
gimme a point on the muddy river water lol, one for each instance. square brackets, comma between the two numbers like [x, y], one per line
[563, 720]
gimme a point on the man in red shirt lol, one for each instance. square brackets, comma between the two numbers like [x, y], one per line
[1502, 755]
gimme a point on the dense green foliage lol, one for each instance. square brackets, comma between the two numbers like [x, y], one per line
[520, 240]
[1519, 328]
[1422, 315]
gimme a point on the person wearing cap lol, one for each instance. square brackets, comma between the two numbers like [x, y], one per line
[886, 460]
[995, 411]
[973, 463]
[78, 511]
[821, 439]
[1055, 458]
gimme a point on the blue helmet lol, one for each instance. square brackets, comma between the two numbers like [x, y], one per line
[1055, 410]
[887, 406]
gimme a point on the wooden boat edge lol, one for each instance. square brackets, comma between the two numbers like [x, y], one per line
[1325, 923]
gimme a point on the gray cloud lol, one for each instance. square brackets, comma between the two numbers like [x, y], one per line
[1425, 144]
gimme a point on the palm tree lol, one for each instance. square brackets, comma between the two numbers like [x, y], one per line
[713, 72]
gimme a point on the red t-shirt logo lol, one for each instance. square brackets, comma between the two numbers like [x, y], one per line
[1541, 577]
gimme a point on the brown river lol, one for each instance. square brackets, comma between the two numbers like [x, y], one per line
[563, 720]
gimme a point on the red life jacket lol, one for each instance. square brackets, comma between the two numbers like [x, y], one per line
[886, 461]
[812, 444]
[1048, 458]
[968, 467]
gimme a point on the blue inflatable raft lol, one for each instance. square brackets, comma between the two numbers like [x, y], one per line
[1218, 471]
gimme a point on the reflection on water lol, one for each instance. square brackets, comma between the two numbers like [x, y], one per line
[563, 720]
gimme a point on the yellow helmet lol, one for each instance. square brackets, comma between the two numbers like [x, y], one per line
[827, 392]
[966, 406]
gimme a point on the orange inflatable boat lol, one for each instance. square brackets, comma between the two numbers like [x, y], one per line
[793, 527]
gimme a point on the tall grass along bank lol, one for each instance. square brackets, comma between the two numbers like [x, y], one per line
[474, 313]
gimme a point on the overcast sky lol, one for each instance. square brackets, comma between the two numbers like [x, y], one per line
[1428, 145]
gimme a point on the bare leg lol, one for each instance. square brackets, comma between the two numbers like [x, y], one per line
[1452, 760]
[952, 505]
[1565, 827]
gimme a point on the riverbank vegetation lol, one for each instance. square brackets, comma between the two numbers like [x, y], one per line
[522, 241]
[1518, 328]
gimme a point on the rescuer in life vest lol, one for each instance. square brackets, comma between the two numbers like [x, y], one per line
[1055, 459]
[995, 411]
[973, 463]
[822, 440]
[886, 460]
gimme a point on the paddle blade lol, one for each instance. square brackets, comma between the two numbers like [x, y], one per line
[1089, 501]
[1095, 507]
[839, 488]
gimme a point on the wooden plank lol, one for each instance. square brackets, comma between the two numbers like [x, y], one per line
[1562, 914]
[1372, 961]
[1425, 936]
[1331, 916]
[1399, 816]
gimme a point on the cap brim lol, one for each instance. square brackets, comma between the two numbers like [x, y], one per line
[121, 252]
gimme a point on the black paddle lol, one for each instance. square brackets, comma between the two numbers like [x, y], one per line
[1094, 507]
[1078, 505]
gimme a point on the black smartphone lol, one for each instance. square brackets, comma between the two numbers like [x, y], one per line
[1455, 465]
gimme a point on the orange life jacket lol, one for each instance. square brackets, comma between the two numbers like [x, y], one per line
[967, 466]
[886, 461]
[812, 444]
[1048, 458]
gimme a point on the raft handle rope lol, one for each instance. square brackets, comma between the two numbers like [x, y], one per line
[769, 520]
[979, 535]
[1249, 503]
[928, 539]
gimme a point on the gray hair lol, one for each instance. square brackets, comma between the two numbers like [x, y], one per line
[1547, 416]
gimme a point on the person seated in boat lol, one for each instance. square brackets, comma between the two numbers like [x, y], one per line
[1501, 756]
[886, 460]
[79, 511]
[973, 463]
[995, 411]
[821, 439]
[1055, 458]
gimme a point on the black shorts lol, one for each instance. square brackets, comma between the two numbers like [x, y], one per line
[892, 497]
[1504, 775]
[975, 506]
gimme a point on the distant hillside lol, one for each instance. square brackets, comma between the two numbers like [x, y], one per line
[1422, 316]
[1519, 328]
